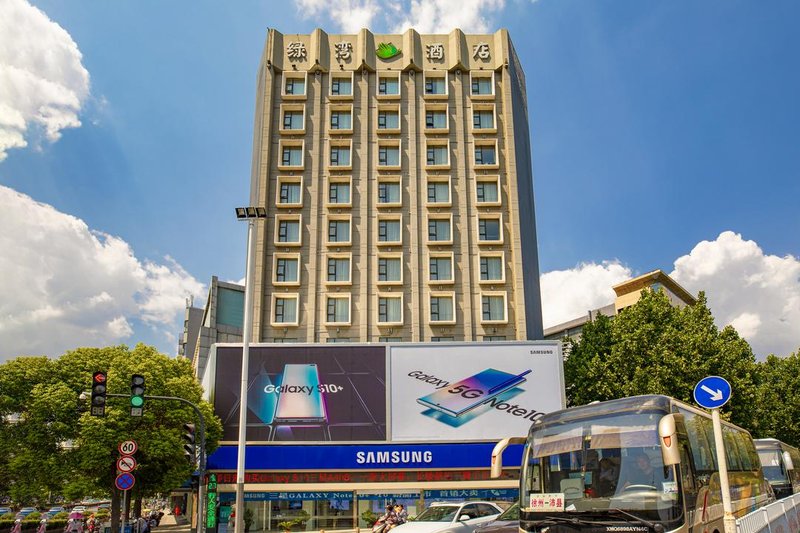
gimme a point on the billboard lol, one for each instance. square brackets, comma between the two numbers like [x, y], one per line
[305, 393]
[472, 391]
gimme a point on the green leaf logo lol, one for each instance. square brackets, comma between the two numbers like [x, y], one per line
[387, 51]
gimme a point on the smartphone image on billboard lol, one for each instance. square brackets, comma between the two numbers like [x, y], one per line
[259, 401]
[300, 398]
[467, 394]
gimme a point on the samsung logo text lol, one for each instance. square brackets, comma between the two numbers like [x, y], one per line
[396, 457]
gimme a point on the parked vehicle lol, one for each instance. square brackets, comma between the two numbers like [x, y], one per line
[642, 462]
[451, 517]
[5, 510]
[781, 464]
[508, 522]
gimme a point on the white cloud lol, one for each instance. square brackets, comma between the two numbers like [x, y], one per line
[758, 294]
[569, 294]
[64, 285]
[425, 16]
[44, 83]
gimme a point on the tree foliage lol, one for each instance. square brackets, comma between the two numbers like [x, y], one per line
[653, 347]
[48, 446]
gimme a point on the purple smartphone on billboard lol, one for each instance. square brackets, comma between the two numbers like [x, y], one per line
[300, 397]
[467, 394]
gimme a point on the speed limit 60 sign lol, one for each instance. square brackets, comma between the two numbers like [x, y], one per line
[128, 447]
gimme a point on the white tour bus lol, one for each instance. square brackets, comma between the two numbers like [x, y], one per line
[639, 464]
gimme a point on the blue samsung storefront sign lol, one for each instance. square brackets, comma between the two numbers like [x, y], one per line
[469, 455]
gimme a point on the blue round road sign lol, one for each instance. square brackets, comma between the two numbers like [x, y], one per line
[125, 481]
[712, 392]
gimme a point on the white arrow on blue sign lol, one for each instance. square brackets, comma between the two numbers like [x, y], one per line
[712, 392]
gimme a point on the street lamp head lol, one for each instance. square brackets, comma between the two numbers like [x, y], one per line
[245, 213]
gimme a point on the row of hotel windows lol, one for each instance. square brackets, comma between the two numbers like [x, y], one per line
[286, 270]
[437, 155]
[340, 118]
[440, 229]
[435, 85]
[290, 191]
[441, 309]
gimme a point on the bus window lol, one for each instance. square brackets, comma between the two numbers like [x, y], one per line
[741, 444]
[731, 450]
[702, 448]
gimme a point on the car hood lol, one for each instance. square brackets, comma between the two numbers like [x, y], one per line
[422, 527]
[498, 526]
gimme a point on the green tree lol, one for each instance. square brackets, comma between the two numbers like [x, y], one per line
[48, 446]
[653, 347]
[777, 409]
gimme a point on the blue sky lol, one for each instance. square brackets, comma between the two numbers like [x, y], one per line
[664, 136]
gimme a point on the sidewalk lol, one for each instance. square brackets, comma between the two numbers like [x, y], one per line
[173, 525]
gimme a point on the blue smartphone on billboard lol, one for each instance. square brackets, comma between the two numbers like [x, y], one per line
[260, 401]
[300, 398]
[467, 394]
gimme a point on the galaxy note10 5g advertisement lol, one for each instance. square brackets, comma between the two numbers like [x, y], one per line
[304, 393]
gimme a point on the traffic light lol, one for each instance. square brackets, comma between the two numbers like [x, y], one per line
[137, 394]
[99, 394]
[189, 448]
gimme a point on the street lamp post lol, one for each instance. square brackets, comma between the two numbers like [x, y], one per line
[250, 214]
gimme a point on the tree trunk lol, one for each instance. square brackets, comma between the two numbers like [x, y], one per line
[137, 507]
[115, 522]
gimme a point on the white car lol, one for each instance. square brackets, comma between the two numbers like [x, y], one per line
[453, 517]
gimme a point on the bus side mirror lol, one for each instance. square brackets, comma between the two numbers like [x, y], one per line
[787, 460]
[497, 454]
[668, 438]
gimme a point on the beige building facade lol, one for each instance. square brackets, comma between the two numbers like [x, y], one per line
[396, 173]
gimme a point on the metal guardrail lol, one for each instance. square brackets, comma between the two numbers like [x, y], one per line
[782, 516]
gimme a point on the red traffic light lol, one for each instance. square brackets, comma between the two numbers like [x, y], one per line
[99, 377]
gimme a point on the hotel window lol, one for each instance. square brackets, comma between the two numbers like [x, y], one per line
[482, 86]
[289, 192]
[494, 338]
[493, 307]
[388, 119]
[440, 268]
[341, 119]
[442, 308]
[340, 156]
[389, 231]
[287, 269]
[295, 86]
[435, 85]
[339, 269]
[438, 155]
[485, 155]
[489, 230]
[439, 192]
[292, 156]
[389, 85]
[339, 192]
[443, 339]
[339, 231]
[389, 192]
[436, 119]
[293, 120]
[338, 310]
[390, 269]
[341, 86]
[487, 190]
[390, 339]
[285, 310]
[390, 309]
[483, 119]
[439, 230]
[491, 267]
[389, 156]
[288, 231]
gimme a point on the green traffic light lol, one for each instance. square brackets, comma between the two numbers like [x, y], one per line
[137, 401]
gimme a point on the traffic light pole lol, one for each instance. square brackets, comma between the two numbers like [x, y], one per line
[202, 461]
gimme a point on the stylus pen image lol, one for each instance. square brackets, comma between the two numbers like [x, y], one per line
[509, 381]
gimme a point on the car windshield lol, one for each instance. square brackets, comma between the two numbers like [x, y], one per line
[611, 462]
[438, 513]
[512, 513]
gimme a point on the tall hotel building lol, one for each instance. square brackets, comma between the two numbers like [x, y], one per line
[396, 173]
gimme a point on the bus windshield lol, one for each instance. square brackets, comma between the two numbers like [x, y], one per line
[772, 464]
[598, 465]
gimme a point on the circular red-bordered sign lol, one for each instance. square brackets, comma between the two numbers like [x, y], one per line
[128, 447]
[125, 481]
[126, 464]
